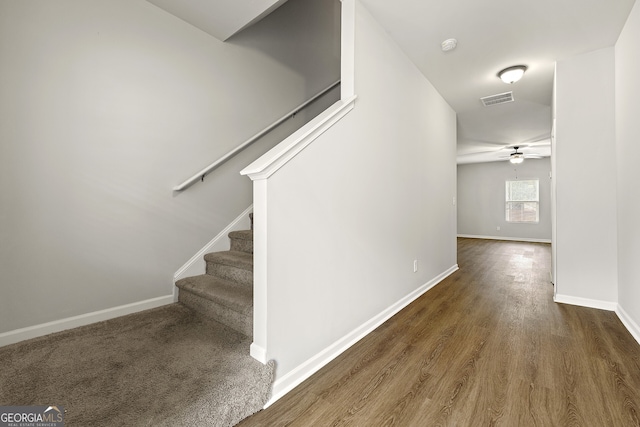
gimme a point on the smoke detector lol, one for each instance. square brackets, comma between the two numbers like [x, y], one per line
[449, 44]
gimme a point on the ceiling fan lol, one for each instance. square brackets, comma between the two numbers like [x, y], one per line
[486, 151]
[518, 157]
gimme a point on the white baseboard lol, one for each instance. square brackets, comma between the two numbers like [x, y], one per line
[196, 265]
[629, 323]
[585, 302]
[293, 378]
[35, 331]
[258, 353]
[512, 239]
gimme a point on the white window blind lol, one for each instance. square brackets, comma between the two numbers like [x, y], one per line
[522, 201]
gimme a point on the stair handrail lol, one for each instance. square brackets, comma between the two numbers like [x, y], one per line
[204, 172]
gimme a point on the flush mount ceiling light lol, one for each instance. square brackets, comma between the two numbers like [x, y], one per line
[512, 74]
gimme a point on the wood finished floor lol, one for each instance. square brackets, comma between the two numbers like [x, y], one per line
[486, 347]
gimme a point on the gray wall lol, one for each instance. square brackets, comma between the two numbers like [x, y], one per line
[105, 106]
[585, 156]
[627, 54]
[348, 215]
[481, 199]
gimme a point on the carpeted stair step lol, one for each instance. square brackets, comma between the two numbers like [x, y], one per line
[234, 266]
[225, 292]
[220, 300]
[242, 241]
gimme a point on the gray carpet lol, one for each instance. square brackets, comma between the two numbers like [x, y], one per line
[164, 366]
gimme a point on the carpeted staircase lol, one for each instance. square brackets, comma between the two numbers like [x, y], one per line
[225, 292]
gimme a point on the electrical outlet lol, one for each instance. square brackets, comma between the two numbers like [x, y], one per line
[498, 228]
[415, 265]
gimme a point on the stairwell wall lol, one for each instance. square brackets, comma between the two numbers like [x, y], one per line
[105, 106]
[347, 217]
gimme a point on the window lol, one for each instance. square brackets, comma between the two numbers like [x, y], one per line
[522, 200]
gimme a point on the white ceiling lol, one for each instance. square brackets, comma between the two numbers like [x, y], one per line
[221, 19]
[492, 35]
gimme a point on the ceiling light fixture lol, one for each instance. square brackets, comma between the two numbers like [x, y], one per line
[512, 74]
[516, 157]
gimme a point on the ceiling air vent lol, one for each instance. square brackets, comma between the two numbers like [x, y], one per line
[500, 98]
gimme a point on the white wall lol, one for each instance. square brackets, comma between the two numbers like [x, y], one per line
[627, 53]
[586, 244]
[106, 105]
[349, 214]
[481, 199]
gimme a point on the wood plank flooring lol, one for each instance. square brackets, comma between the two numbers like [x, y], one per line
[486, 347]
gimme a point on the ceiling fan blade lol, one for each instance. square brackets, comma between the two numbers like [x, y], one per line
[539, 140]
[475, 153]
